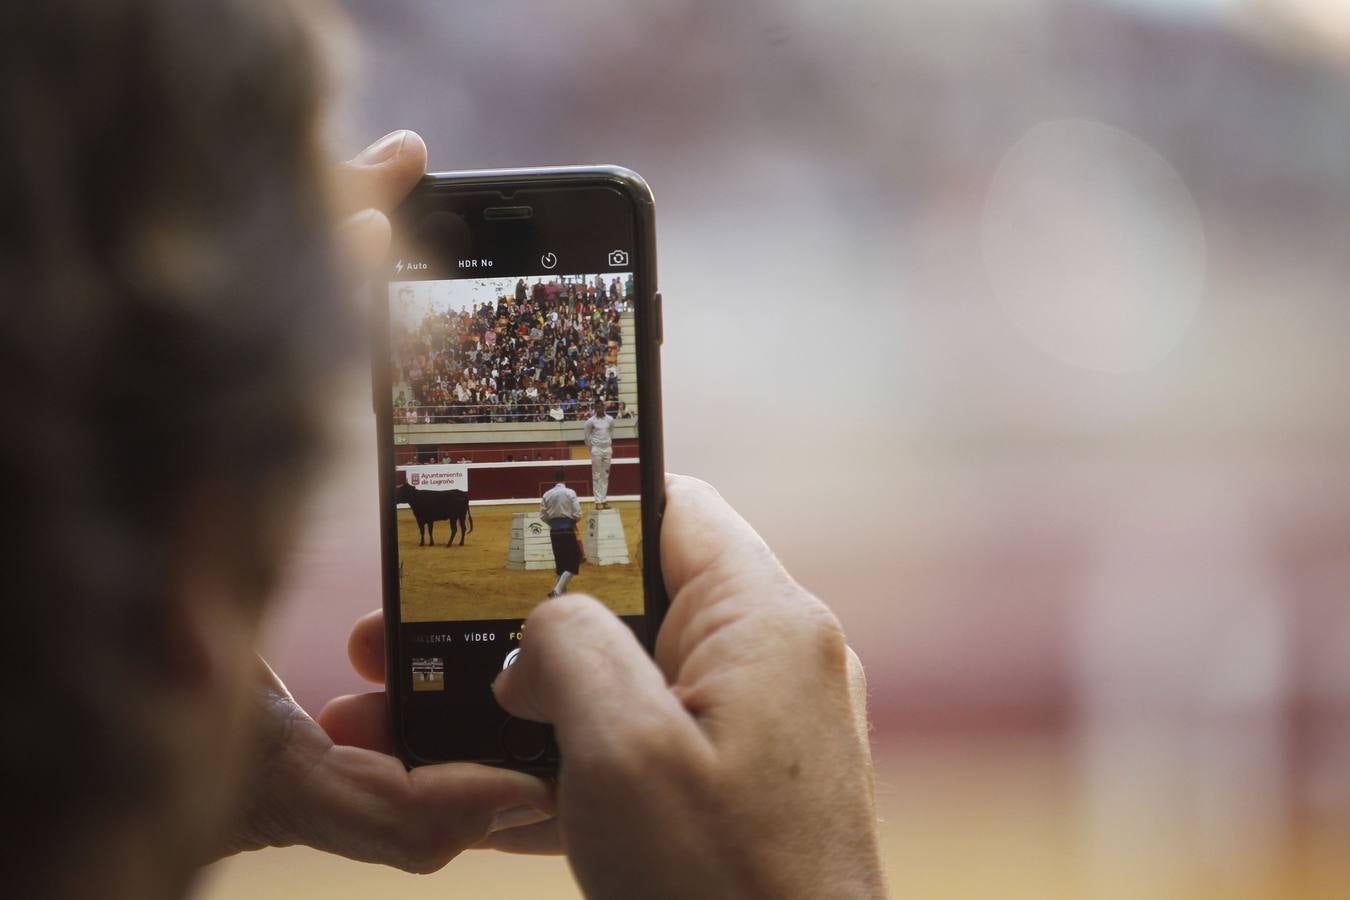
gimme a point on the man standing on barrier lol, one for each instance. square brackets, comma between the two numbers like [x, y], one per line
[599, 439]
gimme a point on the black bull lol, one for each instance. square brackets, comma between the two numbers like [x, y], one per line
[430, 507]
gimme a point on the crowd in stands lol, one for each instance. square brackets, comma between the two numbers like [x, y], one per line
[543, 353]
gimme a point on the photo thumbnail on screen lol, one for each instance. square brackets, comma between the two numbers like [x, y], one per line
[515, 426]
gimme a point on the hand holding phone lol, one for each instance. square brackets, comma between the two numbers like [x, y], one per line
[736, 763]
[358, 800]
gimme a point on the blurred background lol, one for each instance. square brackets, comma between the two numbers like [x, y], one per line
[1019, 328]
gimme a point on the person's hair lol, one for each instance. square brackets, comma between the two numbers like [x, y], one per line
[560, 474]
[168, 316]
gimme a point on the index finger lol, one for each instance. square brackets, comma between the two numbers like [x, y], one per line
[365, 646]
[715, 566]
[380, 176]
[702, 534]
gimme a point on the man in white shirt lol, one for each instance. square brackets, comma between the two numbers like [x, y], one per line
[599, 431]
[561, 510]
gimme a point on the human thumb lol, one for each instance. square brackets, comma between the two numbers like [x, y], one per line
[583, 670]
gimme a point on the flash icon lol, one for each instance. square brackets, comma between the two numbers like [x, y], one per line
[398, 267]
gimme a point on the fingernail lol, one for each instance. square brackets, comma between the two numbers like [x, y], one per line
[358, 221]
[517, 816]
[386, 148]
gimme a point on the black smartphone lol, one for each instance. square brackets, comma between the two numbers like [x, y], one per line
[518, 405]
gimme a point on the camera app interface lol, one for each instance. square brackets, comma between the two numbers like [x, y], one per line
[515, 439]
[515, 430]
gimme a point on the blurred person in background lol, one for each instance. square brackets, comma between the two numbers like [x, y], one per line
[170, 283]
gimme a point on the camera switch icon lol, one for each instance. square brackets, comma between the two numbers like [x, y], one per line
[618, 258]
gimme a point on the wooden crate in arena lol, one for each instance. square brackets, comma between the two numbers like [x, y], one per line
[529, 547]
[606, 543]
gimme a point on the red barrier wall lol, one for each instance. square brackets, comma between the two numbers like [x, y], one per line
[526, 482]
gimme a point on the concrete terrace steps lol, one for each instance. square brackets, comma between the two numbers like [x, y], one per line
[628, 362]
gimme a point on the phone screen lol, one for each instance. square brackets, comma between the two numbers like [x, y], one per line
[513, 443]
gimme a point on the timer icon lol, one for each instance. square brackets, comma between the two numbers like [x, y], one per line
[549, 260]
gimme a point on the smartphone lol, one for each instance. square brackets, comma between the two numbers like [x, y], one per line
[518, 406]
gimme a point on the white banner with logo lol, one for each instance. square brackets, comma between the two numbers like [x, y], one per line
[437, 478]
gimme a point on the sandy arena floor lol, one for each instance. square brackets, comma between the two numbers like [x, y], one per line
[472, 582]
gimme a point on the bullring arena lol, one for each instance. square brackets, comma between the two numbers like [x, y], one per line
[493, 381]
[472, 581]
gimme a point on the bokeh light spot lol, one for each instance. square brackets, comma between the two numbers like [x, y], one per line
[1093, 246]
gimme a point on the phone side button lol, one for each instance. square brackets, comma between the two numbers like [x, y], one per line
[522, 740]
[658, 318]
